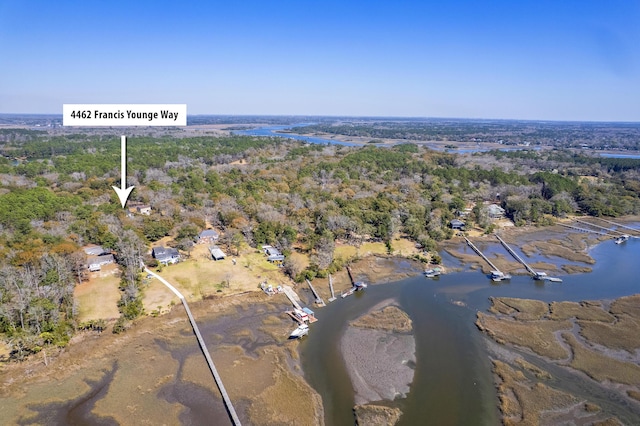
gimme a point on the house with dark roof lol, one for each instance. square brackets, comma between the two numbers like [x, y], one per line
[208, 236]
[165, 255]
[457, 224]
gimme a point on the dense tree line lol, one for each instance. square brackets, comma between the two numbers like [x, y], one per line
[257, 191]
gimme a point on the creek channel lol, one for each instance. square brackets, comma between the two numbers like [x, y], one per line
[453, 383]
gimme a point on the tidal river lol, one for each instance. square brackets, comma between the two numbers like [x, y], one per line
[453, 382]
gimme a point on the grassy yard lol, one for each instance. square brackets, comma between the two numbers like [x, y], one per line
[98, 298]
[200, 276]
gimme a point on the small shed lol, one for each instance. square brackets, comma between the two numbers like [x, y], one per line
[144, 209]
[216, 253]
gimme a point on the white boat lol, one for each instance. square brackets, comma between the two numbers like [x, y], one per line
[499, 276]
[359, 285]
[301, 330]
[432, 273]
[554, 280]
[621, 239]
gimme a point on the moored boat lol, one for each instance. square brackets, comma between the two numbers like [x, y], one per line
[432, 273]
[301, 330]
[499, 276]
[621, 239]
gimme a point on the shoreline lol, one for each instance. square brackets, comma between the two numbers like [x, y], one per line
[233, 348]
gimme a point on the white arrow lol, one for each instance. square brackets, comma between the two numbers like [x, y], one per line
[123, 194]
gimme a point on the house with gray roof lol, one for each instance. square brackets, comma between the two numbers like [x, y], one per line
[165, 255]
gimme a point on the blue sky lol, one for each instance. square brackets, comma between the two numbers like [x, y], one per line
[551, 60]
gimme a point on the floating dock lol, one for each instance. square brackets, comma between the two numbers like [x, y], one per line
[309, 312]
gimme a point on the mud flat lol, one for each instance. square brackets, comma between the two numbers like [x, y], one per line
[155, 373]
[565, 361]
[379, 353]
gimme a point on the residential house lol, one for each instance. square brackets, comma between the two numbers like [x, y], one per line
[273, 255]
[457, 224]
[95, 263]
[495, 211]
[208, 236]
[165, 255]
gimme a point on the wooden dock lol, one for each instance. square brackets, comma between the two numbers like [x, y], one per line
[216, 377]
[293, 315]
[333, 296]
[577, 228]
[620, 226]
[477, 250]
[516, 257]
[353, 282]
[319, 300]
[292, 296]
[599, 227]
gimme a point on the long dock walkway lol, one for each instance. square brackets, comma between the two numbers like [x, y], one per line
[620, 226]
[225, 397]
[333, 296]
[599, 227]
[477, 250]
[319, 300]
[577, 228]
[516, 257]
[288, 291]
